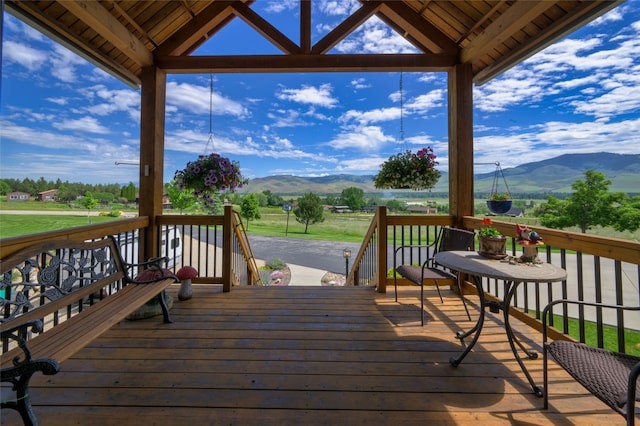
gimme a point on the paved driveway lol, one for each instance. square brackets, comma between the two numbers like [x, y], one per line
[324, 255]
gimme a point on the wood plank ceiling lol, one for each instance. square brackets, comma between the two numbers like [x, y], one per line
[123, 36]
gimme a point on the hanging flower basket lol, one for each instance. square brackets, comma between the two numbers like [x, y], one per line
[209, 175]
[408, 171]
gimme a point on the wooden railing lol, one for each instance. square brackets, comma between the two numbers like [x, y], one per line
[217, 246]
[599, 269]
[198, 241]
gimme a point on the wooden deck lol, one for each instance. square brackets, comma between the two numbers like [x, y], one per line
[304, 355]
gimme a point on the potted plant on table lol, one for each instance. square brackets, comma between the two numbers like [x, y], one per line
[408, 171]
[492, 243]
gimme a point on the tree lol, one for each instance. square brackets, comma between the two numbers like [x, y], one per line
[179, 199]
[353, 197]
[309, 210]
[629, 215]
[250, 208]
[590, 204]
[89, 202]
[4, 188]
[129, 192]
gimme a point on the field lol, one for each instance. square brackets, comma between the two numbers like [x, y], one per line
[347, 227]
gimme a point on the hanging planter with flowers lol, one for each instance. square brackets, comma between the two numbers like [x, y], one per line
[408, 171]
[209, 175]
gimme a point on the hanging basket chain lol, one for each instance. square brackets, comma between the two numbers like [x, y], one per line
[499, 173]
[401, 112]
[210, 140]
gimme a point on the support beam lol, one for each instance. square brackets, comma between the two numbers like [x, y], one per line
[267, 30]
[305, 63]
[196, 31]
[514, 19]
[346, 27]
[152, 112]
[417, 27]
[305, 26]
[104, 23]
[461, 142]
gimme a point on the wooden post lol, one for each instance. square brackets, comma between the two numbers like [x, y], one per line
[227, 234]
[382, 249]
[460, 142]
[152, 107]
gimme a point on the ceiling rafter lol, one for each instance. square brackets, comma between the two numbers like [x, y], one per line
[481, 21]
[192, 35]
[413, 24]
[346, 27]
[94, 15]
[267, 30]
[514, 19]
[133, 23]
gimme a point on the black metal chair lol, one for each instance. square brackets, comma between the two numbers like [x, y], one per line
[610, 376]
[449, 239]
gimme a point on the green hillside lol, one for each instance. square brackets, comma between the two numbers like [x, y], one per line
[549, 176]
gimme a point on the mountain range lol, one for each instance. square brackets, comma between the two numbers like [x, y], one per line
[554, 175]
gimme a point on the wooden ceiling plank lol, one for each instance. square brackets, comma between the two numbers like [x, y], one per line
[305, 63]
[267, 30]
[419, 28]
[481, 21]
[97, 17]
[29, 12]
[580, 15]
[191, 35]
[513, 19]
[133, 23]
[346, 27]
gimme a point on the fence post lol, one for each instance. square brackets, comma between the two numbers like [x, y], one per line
[382, 249]
[227, 233]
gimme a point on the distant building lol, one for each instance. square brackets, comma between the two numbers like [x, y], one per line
[18, 196]
[341, 209]
[50, 195]
[166, 204]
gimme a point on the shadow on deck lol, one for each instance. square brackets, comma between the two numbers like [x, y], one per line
[305, 355]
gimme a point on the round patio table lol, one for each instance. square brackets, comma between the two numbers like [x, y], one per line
[472, 263]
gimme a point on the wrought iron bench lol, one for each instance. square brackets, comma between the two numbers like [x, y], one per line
[610, 376]
[68, 293]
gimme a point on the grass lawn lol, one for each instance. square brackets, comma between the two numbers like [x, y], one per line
[14, 225]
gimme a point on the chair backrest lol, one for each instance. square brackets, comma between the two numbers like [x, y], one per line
[455, 239]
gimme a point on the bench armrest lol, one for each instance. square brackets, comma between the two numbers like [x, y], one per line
[18, 334]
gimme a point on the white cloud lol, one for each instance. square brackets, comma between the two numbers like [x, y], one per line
[360, 83]
[319, 96]
[84, 124]
[196, 99]
[28, 57]
[364, 118]
[364, 138]
[339, 7]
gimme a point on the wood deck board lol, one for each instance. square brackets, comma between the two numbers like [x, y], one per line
[310, 355]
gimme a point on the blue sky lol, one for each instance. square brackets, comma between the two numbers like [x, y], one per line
[62, 117]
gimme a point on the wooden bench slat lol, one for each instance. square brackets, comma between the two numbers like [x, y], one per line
[65, 339]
